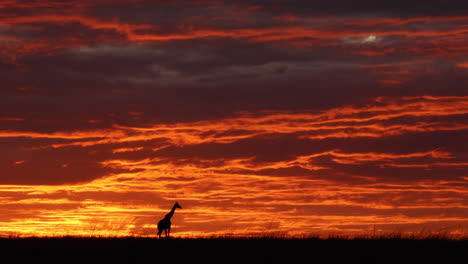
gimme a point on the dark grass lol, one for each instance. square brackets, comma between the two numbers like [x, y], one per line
[143, 247]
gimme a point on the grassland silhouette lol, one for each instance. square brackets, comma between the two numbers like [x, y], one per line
[149, 246]
[274, 243]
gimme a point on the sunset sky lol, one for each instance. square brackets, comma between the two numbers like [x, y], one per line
[292, 117]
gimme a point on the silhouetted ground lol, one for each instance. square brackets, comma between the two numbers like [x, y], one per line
[267, 248]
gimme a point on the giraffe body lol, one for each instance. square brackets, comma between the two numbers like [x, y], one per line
[164, 225]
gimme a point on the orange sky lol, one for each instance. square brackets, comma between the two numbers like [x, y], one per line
[268, 118]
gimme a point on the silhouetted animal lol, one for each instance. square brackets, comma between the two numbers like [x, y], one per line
[165, 223]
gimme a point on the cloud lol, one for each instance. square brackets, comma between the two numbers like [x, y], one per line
[251, 141]
[361, 7]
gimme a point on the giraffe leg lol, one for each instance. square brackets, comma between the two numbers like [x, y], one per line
[169, 232]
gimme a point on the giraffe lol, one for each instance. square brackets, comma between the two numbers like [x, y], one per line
[165, 223]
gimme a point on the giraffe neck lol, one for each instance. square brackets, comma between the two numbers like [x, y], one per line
[171, 213]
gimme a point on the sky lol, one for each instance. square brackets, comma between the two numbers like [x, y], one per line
[292, 118]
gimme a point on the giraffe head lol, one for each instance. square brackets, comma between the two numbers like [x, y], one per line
[177, 205]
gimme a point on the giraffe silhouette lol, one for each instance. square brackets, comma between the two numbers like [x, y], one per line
[165, 223]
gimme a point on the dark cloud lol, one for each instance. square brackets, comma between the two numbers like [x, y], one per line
[362, 7]
[51, 166]
[93, 70]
